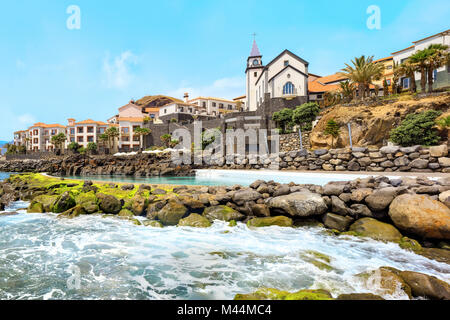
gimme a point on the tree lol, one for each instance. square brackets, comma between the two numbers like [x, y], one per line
[142, 132]
[112, 133]
[165, 139]
[10, 148]
[283, 119]
[363, 72]
[91, 147]
[385, 88]
[104, 139]
[437, 57]
[58, 140]
[347, 90]
[305, 114]
[416, 129]
[419, 60]
[395, 78]
[73, 146]
[332, 129]
[408, 69]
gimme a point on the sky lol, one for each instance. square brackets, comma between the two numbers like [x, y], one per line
[125, 50]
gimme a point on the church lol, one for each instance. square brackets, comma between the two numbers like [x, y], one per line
[286, 76]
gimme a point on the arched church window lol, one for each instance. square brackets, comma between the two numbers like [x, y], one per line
[288, 88]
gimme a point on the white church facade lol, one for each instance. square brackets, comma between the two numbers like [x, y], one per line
[285, 76]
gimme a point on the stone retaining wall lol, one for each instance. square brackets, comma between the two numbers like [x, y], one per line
[291, 142]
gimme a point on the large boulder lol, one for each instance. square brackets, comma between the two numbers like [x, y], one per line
[88, 201]
[109, 203]
[36, 207]
[380, 199]
[338, 222]
[65, 202]
[47, 201]
[444, 197]
[138, 205]
[280, 221]
[369, 227]
[386, 279]
[194, 220]
[223, 213]
[421, 215]
[172, 213]
[246, 195]
[439, 151]
[301, 204]
[423, 285]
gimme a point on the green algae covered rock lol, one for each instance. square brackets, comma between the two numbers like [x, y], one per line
[385, 279]
[172, 213]
[369, 227]
[36, 207]
[65, 202]
[72, 212]
[275, 294]
[318, 259]
[109, 203]
[88, 201]
[194, 220]
[126, 213]
[152, 223]
[48, 201]
[223, 213]
[280, 221]
[410, 244]
[138, 205]
[232, 223]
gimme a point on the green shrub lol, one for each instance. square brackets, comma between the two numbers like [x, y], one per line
[332, 129]
[283, 118]
[416, 129]
[305, 114]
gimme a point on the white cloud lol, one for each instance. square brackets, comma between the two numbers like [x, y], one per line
[117, 73]
[228, 88]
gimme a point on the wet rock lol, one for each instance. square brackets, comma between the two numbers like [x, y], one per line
[48, 201]
[372, 228]
[260, 210]
[302, 204]
[280, 221]
[274, 294]
[127, 187]
[88, 201]
[138, 205]
[125, 213]
[380, 199]
[422, 216]
[172, 213]
[65, 202]
[423, 285]
[152, 223]
[109, 203]
[159, 191]
[223, 213]
[36, 207]
[387, 279]
[194, 220]
[338, 206]
[338, 222]
[360, 210]
[246, 195]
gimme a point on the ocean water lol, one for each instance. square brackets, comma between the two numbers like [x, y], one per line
[42, 257]
[208, 177]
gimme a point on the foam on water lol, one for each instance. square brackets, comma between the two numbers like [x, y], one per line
[39, 255]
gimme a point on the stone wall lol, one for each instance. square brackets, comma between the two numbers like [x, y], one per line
[291, 142]
[372, 159]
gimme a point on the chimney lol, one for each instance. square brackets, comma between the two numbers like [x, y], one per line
[186, 97]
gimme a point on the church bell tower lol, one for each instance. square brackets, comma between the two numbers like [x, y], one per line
[253, 71]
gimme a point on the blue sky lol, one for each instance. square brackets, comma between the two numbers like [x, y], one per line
[129, 49]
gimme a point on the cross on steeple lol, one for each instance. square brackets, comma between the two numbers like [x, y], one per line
[254, 36]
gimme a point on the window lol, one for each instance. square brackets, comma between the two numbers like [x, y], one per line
[35, 141]
[46, 133]
[152, 116]
[319, 96]
[72, 130]
[125, 130]
[405, 82]
[80, 139]
[286, 63]
[80, 129]
[165, 111]
[221, 106]
[214, 104]
[90, 129]
[90, 139]
[230, 107]
[255, 74]
[204, 104]
[101, 130]
[389, 67]
[288, 88]
[72, 139]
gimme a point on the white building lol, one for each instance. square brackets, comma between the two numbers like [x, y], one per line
[214, 106]
[40, 135]
[441, 75]
[85, 131]
[130, 117]
[284, 76]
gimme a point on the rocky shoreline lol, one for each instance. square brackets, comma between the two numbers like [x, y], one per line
[412, 212]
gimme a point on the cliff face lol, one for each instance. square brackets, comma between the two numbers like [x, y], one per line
[371, 124]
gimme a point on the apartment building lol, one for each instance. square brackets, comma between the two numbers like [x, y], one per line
[85, 131]
[130, 117]
[441, 76]
[40, 135]
[213, 106]
[21, 138]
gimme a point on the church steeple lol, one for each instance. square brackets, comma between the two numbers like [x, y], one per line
[255, 51]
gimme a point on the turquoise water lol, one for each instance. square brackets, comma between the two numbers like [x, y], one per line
[232, 177]
[4, 175]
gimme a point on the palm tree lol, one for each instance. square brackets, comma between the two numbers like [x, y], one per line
[58, 140]
[104, 139]
[438, 56]
[396, 70]
[142, 132]
[408, 69]
[419, 59]
[112, 133]
[348, 90]
[363, 73]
